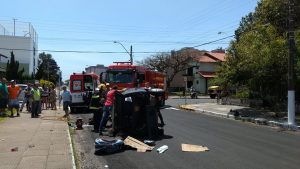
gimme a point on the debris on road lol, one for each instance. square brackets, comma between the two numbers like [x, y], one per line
[79, 124]
[149, 142]
[105, 146]
[193, 148]
[140, 146]
[31, 145]
[14, 149]
[162, 149]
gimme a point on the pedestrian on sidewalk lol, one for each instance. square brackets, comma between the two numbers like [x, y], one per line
[108, 105]
[3, 96]
[66, 97]
[36, 99]
[45, 95]
[13, 92]
[52, 98]
[27, 96]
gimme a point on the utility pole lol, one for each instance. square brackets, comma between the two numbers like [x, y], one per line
[48, 69]
[291, 41]
[14, 26]
[131, 60]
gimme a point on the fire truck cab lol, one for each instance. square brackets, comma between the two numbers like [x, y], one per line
[82, 85]
[125, 75]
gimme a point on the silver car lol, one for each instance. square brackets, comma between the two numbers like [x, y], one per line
[23, 87]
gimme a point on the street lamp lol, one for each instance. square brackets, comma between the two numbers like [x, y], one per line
[130, 54]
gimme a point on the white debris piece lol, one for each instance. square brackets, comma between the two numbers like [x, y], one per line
[162, 149]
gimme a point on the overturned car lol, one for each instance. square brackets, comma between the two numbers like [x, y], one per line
[135, 112]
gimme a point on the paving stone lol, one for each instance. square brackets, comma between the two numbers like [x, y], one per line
[10, 160]
[58, 157]
[36, 139]
[59, 140]
[58, 165]
[33, 162]
[31, 152]
[8, 166]
[59, 149]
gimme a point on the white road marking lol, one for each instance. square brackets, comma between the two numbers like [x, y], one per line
[171, 108]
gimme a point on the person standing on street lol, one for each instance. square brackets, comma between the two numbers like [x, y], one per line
[26, 98]
[66, 97]
[3, 96]
[36, 99]
[108, 105]
[52, 98]
[14, 92]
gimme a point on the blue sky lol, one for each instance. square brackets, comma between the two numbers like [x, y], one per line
[149, 26]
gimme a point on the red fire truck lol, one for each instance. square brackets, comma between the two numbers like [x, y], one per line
[125, 75]
[80, 84]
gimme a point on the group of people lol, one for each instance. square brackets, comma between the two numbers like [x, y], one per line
[33, 98]
[9, 96]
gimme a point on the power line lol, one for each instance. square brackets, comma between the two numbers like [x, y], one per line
[124, 41]
[76, 51]
[213, 41]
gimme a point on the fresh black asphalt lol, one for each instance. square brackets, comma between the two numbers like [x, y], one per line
[232, 144]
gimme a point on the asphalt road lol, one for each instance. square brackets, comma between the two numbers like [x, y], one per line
[179, 101]
[232, 144]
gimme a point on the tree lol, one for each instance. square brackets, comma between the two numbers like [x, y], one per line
[12, 69]
[257, 58]
[47, 68]
[171, 63]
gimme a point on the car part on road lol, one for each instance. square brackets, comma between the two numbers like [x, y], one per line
[162, 149]
[105, 146]
[149, 142]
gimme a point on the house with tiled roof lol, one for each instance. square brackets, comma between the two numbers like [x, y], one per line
[205, 69]
[200, 71]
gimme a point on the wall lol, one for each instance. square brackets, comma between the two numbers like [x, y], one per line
[202, 85]
[25, 57]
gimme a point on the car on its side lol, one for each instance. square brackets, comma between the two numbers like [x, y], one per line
[23, 87]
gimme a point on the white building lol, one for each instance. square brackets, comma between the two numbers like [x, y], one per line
[96, 69]
[21, 39]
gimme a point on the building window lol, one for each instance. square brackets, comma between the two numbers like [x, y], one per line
[190, 71]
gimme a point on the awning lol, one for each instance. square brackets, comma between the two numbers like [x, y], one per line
[207, 74]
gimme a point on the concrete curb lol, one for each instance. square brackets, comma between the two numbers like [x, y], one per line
[259, 121]
[71, 149]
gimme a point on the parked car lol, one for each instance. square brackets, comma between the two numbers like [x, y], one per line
[22, 94]
[213, 91]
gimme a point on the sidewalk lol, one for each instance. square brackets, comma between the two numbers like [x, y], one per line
[36, 143]
[241, 113]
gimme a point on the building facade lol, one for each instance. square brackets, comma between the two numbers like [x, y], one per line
[98, 69]
[22, 40]
[201, 69]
